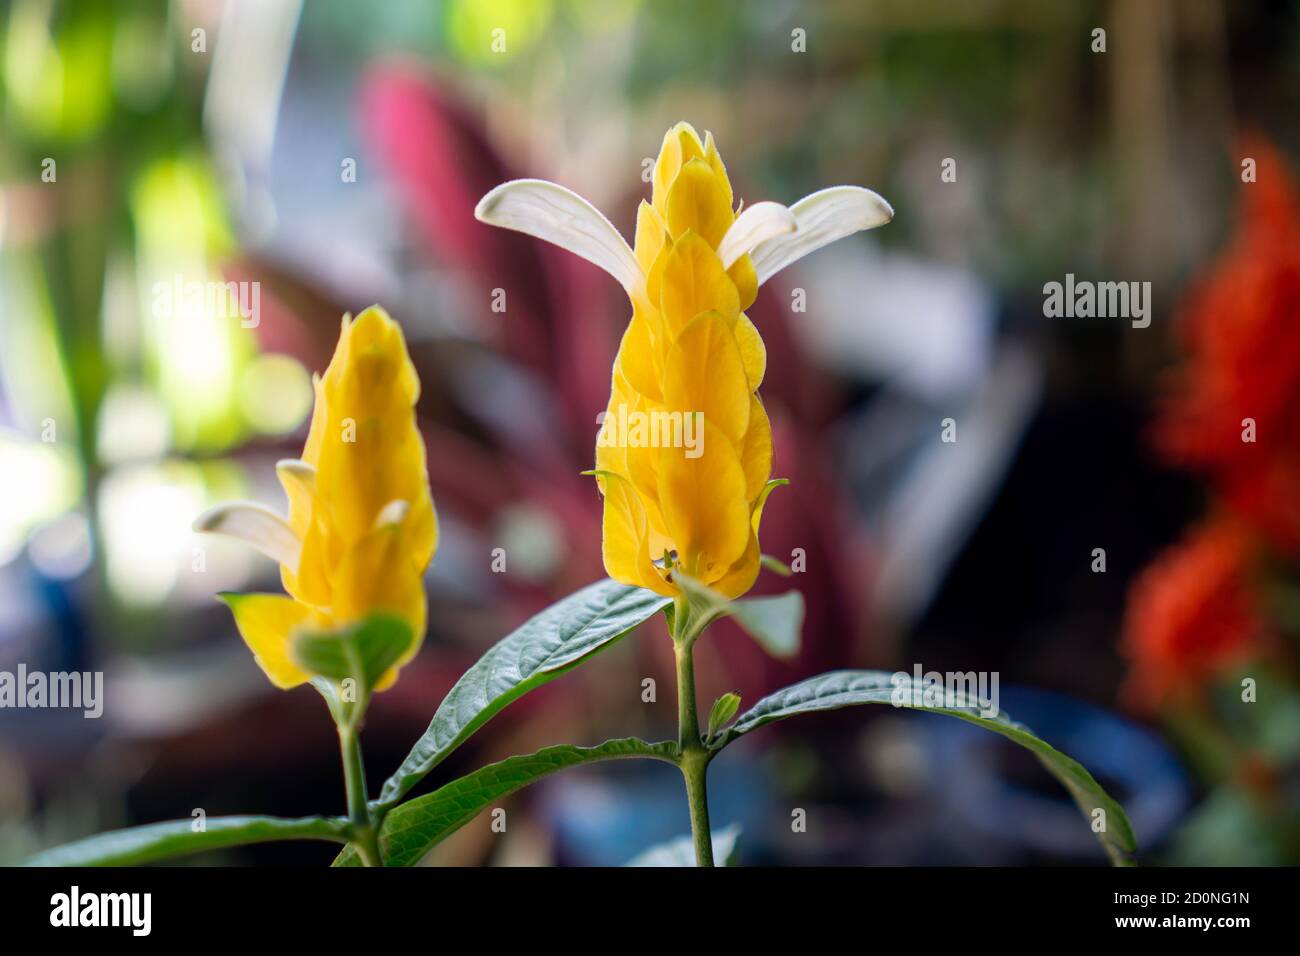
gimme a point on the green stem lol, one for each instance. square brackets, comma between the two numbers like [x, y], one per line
[694, 756]
[364, 832]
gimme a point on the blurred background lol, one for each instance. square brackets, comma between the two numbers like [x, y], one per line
[330, 154]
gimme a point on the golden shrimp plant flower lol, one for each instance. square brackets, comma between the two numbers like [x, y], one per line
[690, 354]
[361, 526]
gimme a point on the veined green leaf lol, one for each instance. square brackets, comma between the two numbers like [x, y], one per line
[680, 851]
[546, 646]
[363, 652]
[413, 828]
[161, 841]
[848, 688]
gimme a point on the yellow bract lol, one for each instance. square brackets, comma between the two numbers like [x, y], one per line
[689, 349]
[359, 505]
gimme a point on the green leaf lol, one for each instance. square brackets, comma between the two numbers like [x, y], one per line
[413, 828]
[161, 841]
[363, 652]
[680, 851]
[546, 646]
[848, 688]
[775, 622]
[724, 708]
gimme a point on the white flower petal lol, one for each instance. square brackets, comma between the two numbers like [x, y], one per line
[823, 217]
[558, 215]
[256, 525]
[298, 472]
[392, 514]
[758, 223]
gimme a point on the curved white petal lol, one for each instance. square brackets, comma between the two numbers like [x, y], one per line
[294, 470]
[758, 223]
[558, 215]
[297, 476]
[823, 217]
[392, 514]
[257, 525]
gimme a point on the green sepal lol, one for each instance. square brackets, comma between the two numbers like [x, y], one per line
[363, 652]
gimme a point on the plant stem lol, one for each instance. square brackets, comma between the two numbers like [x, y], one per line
[364, 833]
[694, 756]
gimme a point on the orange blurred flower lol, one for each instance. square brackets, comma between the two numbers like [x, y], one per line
[1191, 613]
[1241, 376]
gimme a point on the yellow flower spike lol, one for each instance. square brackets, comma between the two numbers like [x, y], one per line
[361, 526]
[264, 620]
[740, 577]
[714, 159]
[756, 450]
[694, 282]
[752, 351]
[642, 364]
[653, 287]
[704, 506]
[706, 373]
[745, 278]
[681, 144]
[625, 536]
[650, 234]
[700, 202]
[684, 455]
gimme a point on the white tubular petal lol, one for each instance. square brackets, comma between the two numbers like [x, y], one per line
[299, 472]
[392, 514]
[758, 223]
[823, 217]
[257, 525]
[558, 215]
